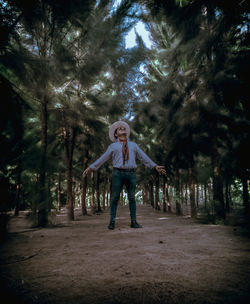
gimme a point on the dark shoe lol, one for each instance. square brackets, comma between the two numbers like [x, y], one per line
[111, 225]
[134, 224]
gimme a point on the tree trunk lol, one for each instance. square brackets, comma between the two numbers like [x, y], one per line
[197, 195]
[201, 195]
[177, 196]
[191, 178]
[107, 198]
[218, 196]
[70, 198]
[43, 199]
[157, 189]
[120, 199]
[164, 195]
[109, 192]
[186, 194]
[98, 192]
[104, 198]
[79, 194]
[5, 194]
[92, 202]
[70, 134]
[205, 195]
[18, 189]
[49, 183]
[164, 204]
[245, 195]
[84, 184]
[169, 209]
[74, 191]
[227, 197]
[182, 194]
[151, 193]
[144, 195]
[59, 189]
[104, 192]
[210, 191]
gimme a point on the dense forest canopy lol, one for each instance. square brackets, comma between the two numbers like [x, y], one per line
[66, 75]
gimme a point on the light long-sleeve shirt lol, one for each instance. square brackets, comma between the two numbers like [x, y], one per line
[115, 151]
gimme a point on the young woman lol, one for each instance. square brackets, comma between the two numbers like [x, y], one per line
[124, 154]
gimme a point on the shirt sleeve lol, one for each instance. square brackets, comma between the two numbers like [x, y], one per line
[142, 156]
[101, 160]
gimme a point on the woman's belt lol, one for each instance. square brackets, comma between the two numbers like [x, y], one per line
[125, 169]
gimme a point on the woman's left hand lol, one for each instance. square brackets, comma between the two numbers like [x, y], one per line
[160, 169]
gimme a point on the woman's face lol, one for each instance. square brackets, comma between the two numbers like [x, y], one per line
[121, 132]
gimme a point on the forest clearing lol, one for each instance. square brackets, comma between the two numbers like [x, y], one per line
[170, 260]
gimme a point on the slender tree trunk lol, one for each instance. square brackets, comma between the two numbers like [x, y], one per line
[170, 193]
[43, 199]
[98, 192]
[84, 184]
[107, 197]
[19, 164]
[181, 194]
[70, 197]
[157, 189]
[151, 193]
[70, 134]
[50, 206]
[144, 195]
[191, 178]
[110, 187]
[18, 189]
[109, 192]
[210, 191]
[201, 194]
[192, 192]
[205, 195]
[164, 195]
[217, 179]
[5, 193]
[227, 197]
[147, 200]
[186, 194]
[169, 209]
[197, 196]
[121, 198]
[84, 194]
[218, 193]
[92, 202]
[59, 189]
[104, 199]
[104, 192]
[177, 197]
[79, 195]
[74, 191]
[245, 195]
[230, 196]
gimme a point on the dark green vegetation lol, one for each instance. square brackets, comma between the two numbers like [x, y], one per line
[66, 75]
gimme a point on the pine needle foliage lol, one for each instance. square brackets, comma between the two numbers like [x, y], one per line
[195, 92]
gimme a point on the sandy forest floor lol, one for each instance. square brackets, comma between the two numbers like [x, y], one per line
[170, 260]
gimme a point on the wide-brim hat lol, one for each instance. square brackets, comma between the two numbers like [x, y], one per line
[116, 125]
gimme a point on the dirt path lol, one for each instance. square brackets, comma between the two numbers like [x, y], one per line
[170, 260]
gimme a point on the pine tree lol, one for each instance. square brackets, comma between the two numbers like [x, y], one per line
[198, 45]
